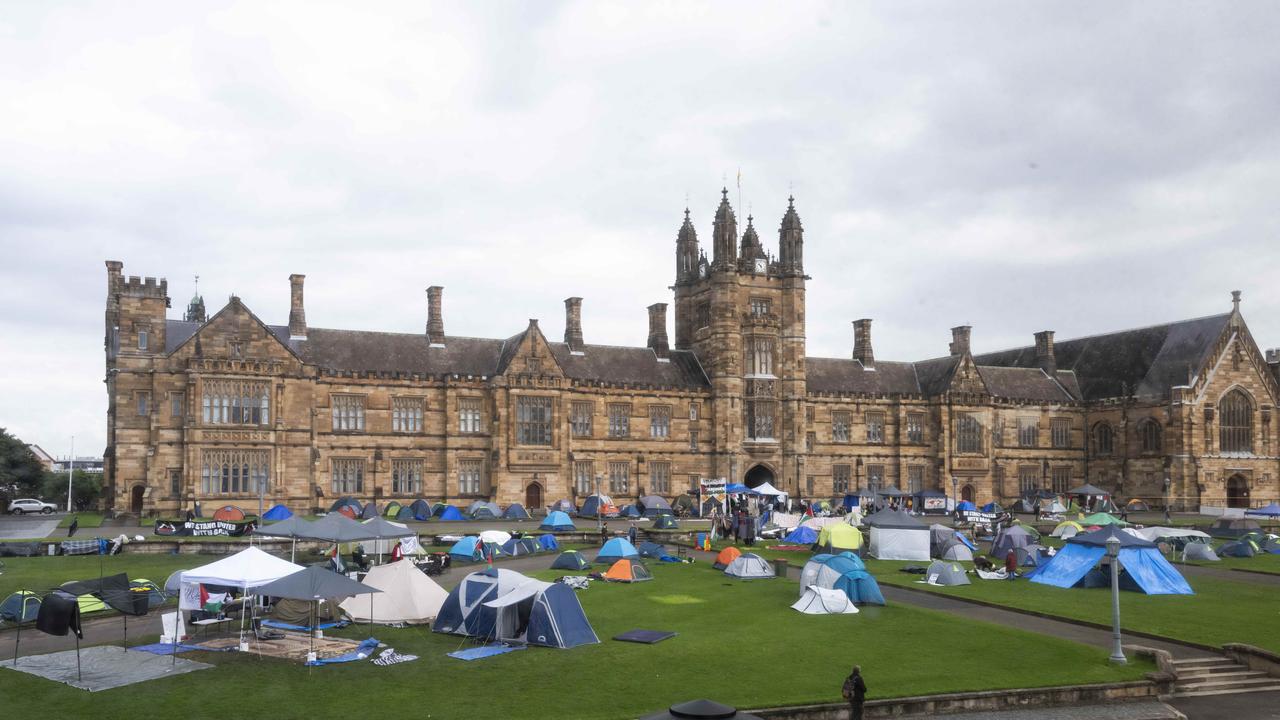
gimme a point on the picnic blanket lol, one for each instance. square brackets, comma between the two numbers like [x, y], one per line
[80, 547]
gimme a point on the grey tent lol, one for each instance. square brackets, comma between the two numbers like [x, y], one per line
[957, 551]
[1087, 489]
[370, 511]
[1232, 527]
[1010, 538]
[941, 572]
[651, 550]
[665, 522]
[295, 526]
[749, 566]
[1031, 555]
[570, 560]
[515, 512]
[313, 584]
[653, 506]
[483, 510]
[1199, 551]
[383, 529]
[337, 528]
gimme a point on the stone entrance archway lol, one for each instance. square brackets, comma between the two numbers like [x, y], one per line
[1237, 492]
[135, 499]
[966, 493]
[758, 476]
[533, 497]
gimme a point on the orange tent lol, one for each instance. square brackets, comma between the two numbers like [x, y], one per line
[228, 513]
[627, 570]
[726, 556]
[348, 511]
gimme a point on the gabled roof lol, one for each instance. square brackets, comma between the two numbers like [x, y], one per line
[1144, 361]
[1024, 384]
[844, 375]
[179, 332]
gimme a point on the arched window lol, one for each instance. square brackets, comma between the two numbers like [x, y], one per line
[1235, 422]
[1103, 439]
[1149, 433]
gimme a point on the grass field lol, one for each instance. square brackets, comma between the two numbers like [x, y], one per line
[1265, 562]
[738, 642]
[83, 520]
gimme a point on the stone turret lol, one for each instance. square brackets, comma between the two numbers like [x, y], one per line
[791, 241]
[724, 235]
[686, 252]
[751, 250]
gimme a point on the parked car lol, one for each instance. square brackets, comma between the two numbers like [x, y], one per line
[21, 506]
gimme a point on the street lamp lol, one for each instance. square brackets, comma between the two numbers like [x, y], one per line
[955, 492]
[1113, 552]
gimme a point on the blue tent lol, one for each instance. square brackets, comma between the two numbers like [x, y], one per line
[1141, 559]
[992, 507]
[617, 549]
[519, 546]
[629, 511]
[966, 505]
[847, 573]
[548, 542]
[468, 549]
[421, 510]
[736, 488]
[279, 512]
[570, 560]
[556, 619]
[651, 550]
[492, 603]
[802, 536]
[557, 521]
[1272, 510]
[404, 514]
[463, 613]
[516, 512]
[449, 513]
[592, 507]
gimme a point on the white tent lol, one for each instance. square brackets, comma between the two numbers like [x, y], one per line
[896, 535]
[408, 596]
[246, 570]
[1154, 534]
[768, 489]
[823, 601]
[749, 565]
[1055, 507]
[494, 536]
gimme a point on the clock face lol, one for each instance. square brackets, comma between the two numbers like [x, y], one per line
[760, 265]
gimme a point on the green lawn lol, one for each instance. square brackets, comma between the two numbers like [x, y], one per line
[83, 520]
[43, 573]
[738, 642]
[1264, 562]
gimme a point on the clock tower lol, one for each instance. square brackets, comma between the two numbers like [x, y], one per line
[743, 316]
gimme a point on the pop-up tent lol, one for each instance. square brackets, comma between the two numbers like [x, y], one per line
[617, 549]
[468, 549]
[653, 506]
[448, 513]
[817, 600]
[1199, 551]
[22, 606]
[278, 512]
[570, 560]
[598, 506]
[516, 511]
[628, 570]
[802, 536]
[749, 566]
[1141, 560]
[557, 521]
[845, 573]
[665, 522]
[838, 536]
[482, 510]
[941, 572]
[651, 550]
[406, 595]
[245, 570]
[726, 557]
[1010, 539]
[895, 535]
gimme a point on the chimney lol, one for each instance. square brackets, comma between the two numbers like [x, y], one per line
[658, 329]
[297, 315]
[573, 323]
[1044, 352]
[862, 351]
[960, 340]
[435, 316]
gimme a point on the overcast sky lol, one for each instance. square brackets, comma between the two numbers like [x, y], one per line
[1074, 166]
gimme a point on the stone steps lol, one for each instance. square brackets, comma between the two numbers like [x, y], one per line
[1219, 676]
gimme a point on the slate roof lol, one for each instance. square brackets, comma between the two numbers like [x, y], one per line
[1145, 361]
[1024, 384]
[841, 375]
[933, 377]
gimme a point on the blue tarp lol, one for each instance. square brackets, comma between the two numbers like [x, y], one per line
[557, 521]
[801, 536]
[617, 549]
[279, 512]
[362, 652]
[451, 513]
[1069, 566]
[480, 653]
[548, 542]
[1145, 566]
[966, 505]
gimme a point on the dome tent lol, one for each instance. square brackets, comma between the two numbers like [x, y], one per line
[801, 536]
[665, 522]
[277, 512]
[421, 510]
[468, 549]
[1199, 551]
[564, 506]
[598, 506]
[817, 600]
[749, 566]
[570, 560]
[405, 514]
[22, 606]
[617, 549]
[557, 521]
[628, 570]
[726, 557]
[449, 513]
[946, 573]
[392, 510]
[1009, 539]
[519, 546]
[408, 596]
[548, 542]
[482, 510]
[651, 550]
[516, 511]
[493, 605]
[843, 572]
[835, 537]
[653, 506]
[629, 511]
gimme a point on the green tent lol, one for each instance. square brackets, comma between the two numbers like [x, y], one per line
[391, 510]
[1102, 519]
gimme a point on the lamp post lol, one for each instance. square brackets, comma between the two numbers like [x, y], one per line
[955, 492]
[1113, 552]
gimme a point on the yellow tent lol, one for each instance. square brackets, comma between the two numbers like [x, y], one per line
[840, 536]
[1067, 528]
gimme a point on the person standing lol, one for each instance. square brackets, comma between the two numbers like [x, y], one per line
[855, 692]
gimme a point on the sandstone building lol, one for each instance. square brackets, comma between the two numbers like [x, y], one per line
[211, 409]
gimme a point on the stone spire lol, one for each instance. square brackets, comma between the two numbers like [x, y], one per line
[791, 241]
[686, 252]
[751, 249]
[195, 308]
[725, 234]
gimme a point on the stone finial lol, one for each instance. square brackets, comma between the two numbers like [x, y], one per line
[1235, 301]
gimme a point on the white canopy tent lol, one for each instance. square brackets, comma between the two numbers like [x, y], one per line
[1153, 534]
[766, 488]
[248, 569]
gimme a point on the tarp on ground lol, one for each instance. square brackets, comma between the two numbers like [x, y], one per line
[617, 549]
[570, 560]
[557, 521]
[277, 512]
[749, 566]
[516, 511]
[406, 595]
[247, 569]
[816, 600]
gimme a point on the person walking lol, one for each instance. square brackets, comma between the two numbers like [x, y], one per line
[855, 692]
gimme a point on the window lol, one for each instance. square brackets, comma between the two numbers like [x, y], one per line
[968, 434]
[235, 472]
[175, 482]
[1149, 433]
[533, 366]
[915, 478]
[348, 413]
[810, 439]
[143, 338]
[176, 402]
[469, 415]
[1061, 479]
[1028, 432]
[619, 420]
[840, 422]
[348, 476]
[759, 419]
[235, 402]
[406, 415]
[694, 409]
[619, 478]
[1028, 479]
[759, 352]
[759, 307]
[144, 403]
[1235, 423]
[1103, 439]
[583, 477]
[659, 421]
[840, 477]
[471, 477]
[875, 476]
[915, 427]
[580, 419]
[703, 315]
[875, 427]
[533, 420]
[693, 441]
[1060, 432]
[660, 478]
[406, 477]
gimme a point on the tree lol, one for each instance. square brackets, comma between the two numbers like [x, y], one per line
[86, 489]
[21, 473]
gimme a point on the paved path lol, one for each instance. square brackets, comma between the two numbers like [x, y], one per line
[1153, 710]
[27, 527]
[1222, 573]
[1242, 706]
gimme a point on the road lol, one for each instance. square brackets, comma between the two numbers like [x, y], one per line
[28, 526]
